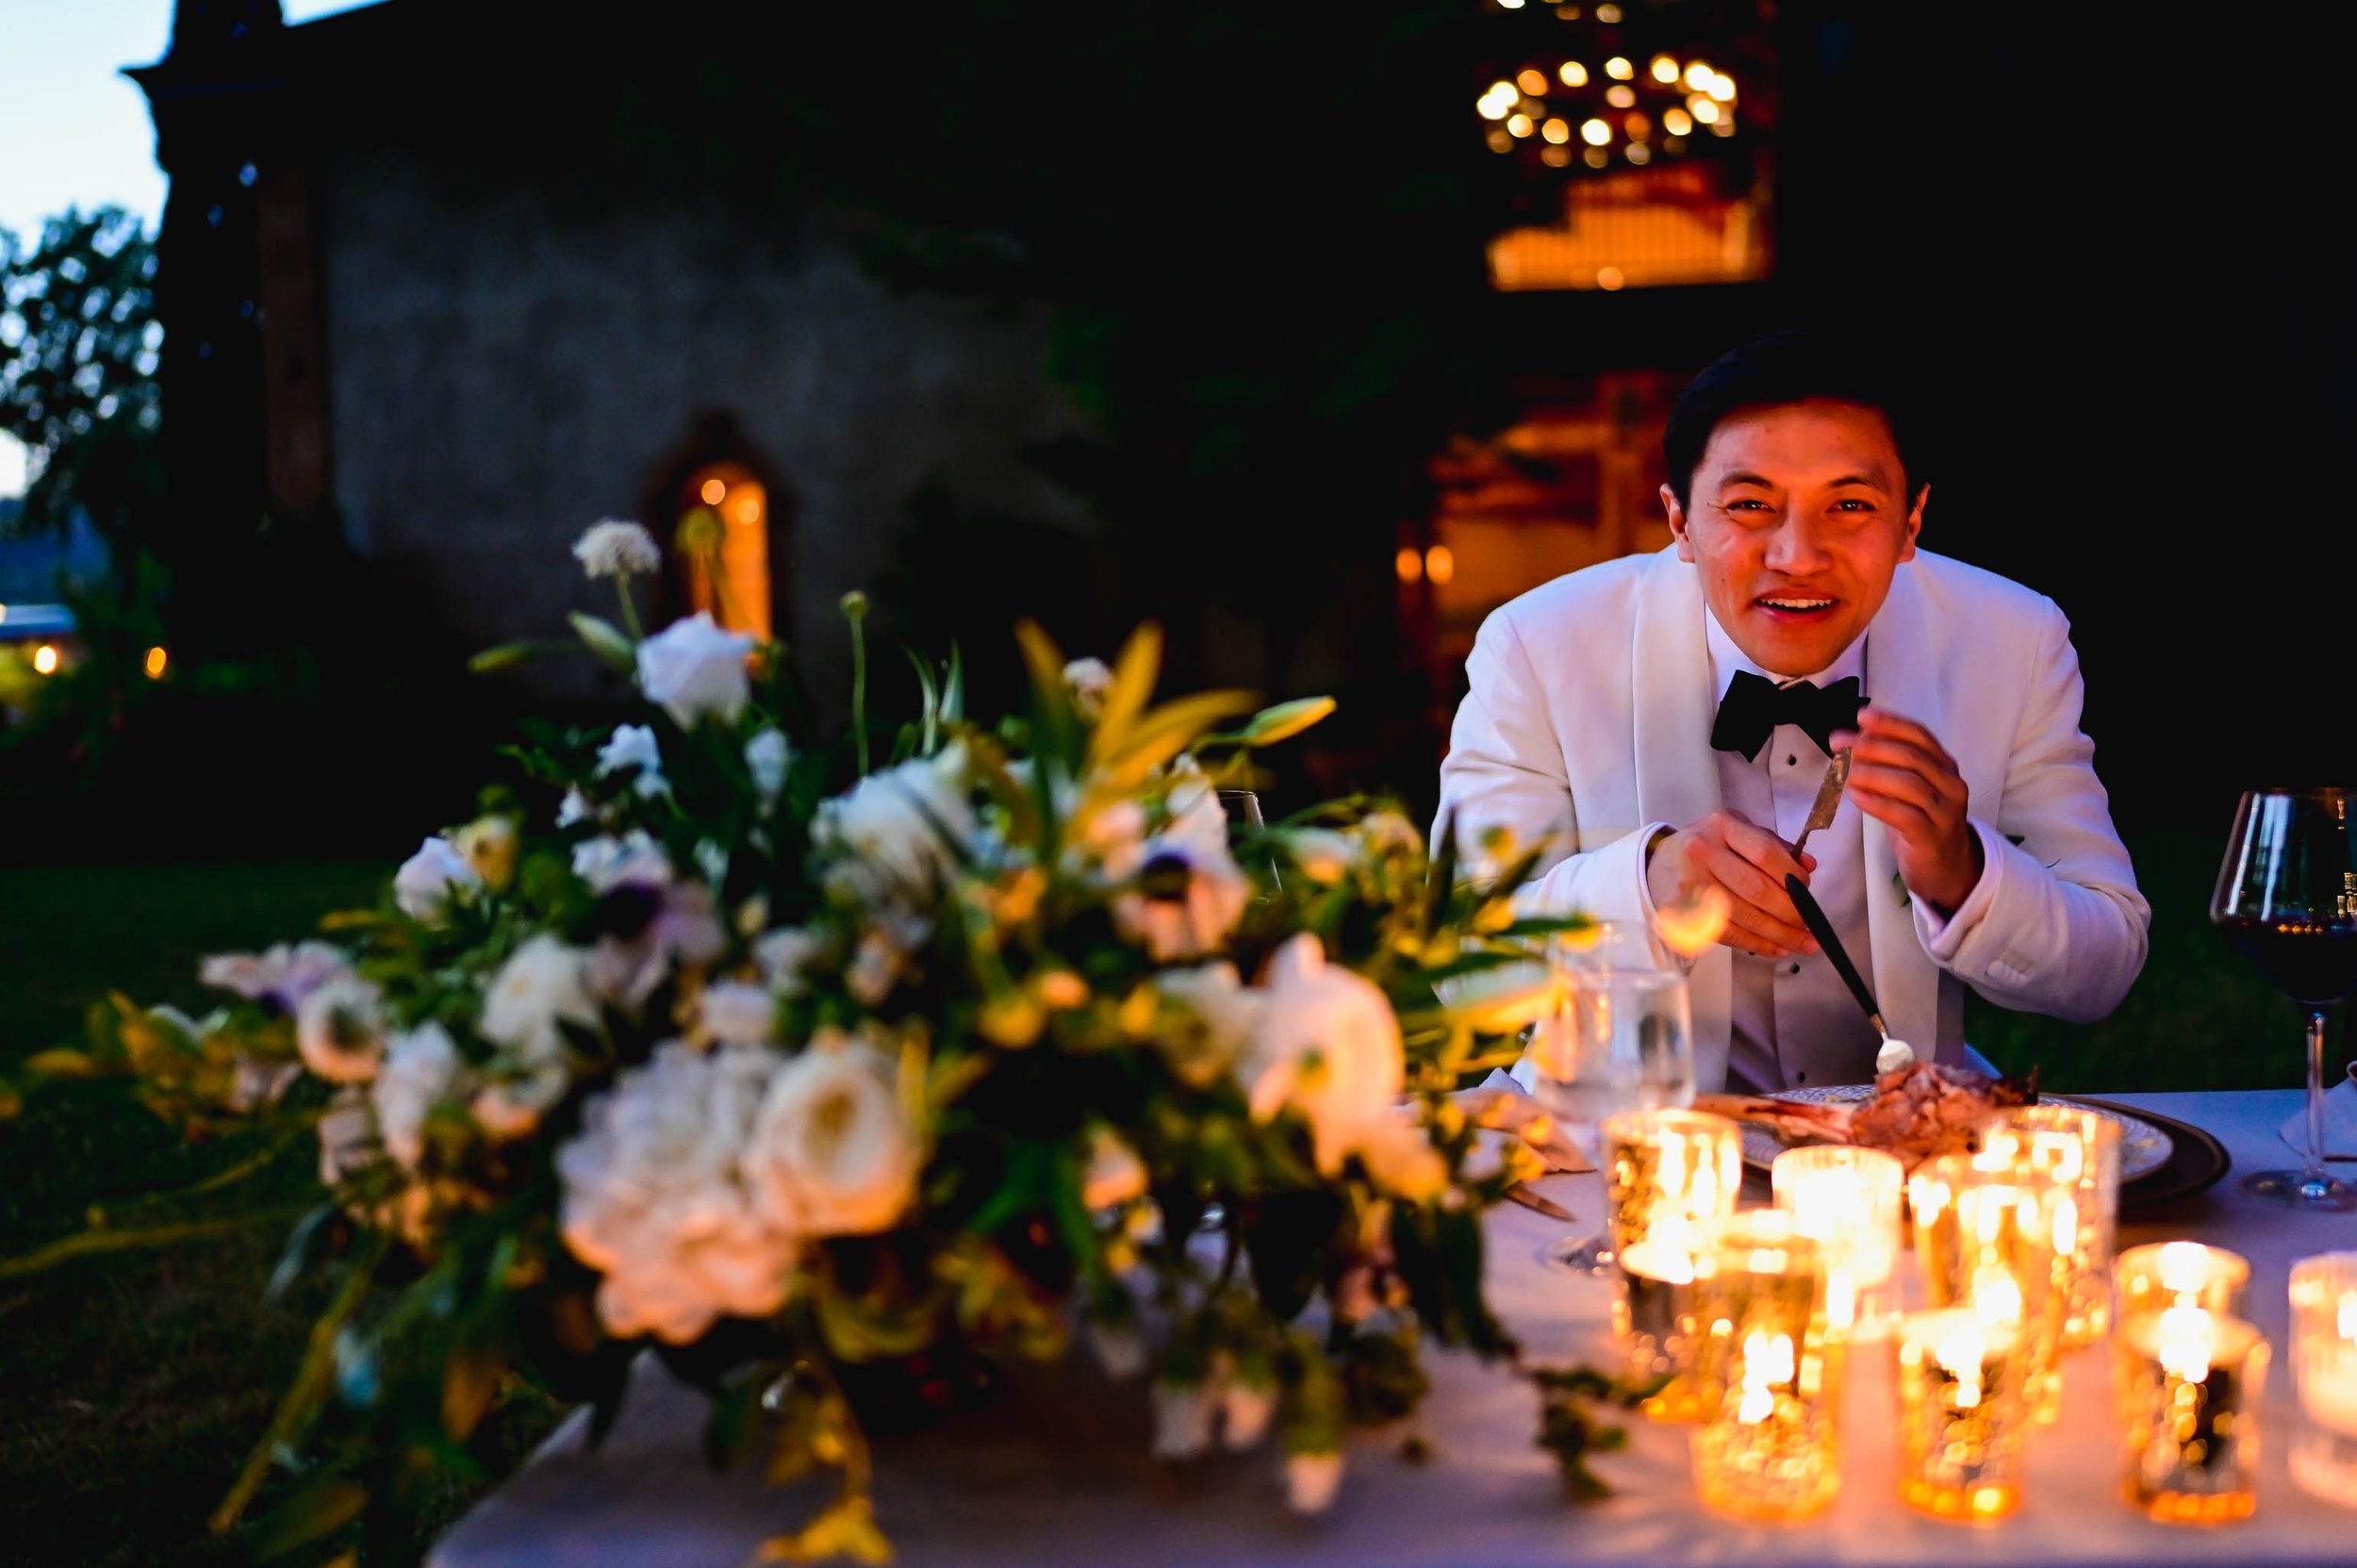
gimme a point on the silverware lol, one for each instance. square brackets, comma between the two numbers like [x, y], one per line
[1546, 1205]
[1828, 800]
[1813, 917]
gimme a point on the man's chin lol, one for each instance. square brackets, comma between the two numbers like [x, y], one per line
[1783, 649]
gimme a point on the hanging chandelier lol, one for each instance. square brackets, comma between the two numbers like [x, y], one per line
[1596, 102]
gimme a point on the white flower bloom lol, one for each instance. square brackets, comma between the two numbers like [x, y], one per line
[655, 1196]
[612, 548]
[1326, 1044]
[1245, 1410]
[1312, 1480]
[1088, 679]
[573, 808]
[1321, 855]
[255, 1083]
[831, 1153]
[1184, 1413]
[1115, 1174]
[1383, 834]
[1192, 892]
[634, 746]
[1401, 1159]
[347, 1137]
[767, 757]
[692, 667]
[538, 990]
[682, 931]
[712, 860]
[738, 1014]
[1220, 1016]
[283, 973]
[423, 885]
[876, 964]
[784, 957]
[897, 832]
[605, 863]
[339, 1030]
[421, 1070]
[490, 844]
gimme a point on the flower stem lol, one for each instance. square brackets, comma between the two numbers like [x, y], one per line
[855, 610]
[630, 608]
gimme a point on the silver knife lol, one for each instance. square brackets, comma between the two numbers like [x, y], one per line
[1828, 800]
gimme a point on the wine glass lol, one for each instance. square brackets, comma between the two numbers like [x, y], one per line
[1623, 1040]
[2287, 897]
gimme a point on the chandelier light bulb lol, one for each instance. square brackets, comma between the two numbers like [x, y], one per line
[1723, 88]
[1595, 133]
[1676, 122]
[1573, 73]
[1520, 125]
[1557, 131]
[1618, 69]
[1531, 81]
[1699, 75]
[1665, 70]
[1702, 109]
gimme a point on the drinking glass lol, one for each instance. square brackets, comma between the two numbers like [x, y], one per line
[2287, 897]
[1623, 1040]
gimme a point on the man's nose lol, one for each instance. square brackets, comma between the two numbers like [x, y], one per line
[1796, 547]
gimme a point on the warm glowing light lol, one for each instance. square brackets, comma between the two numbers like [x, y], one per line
[1699, 75]
[1557, 131]
[1724, 127]
[1637, 127]
[1638, 153]
[1723, 88]
[1621, 97]
[712, 491]
[1500, 142]
[1703, 111]
[1498, 102]
[1531, 80]
[1619, 69]
[1409, 562]
[1509, 5]
[1520, 125]
[1440, 563]
[1555, 157]
[1609, 14]
[1572, 73]
[1676, 122]
[4, 613]
[45, 659]
[157, 659]
[1608, 278]
[746, 510]
[1595, 157]
[1595, 133]
[1665, 70]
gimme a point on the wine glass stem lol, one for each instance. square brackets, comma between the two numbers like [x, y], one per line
[2316, 1094]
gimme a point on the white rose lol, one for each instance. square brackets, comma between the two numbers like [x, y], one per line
[605, 863]
[340, 1030]
[419, 1071]
[899, 830]
[1326, 1045]
[615, 548]
[423, 885]
[633, 745]
[655, 1197]
[1218, 1015]
[738, 1014]
[692, 667]
[831, 1153]
[1312, 1480]
[538, 990]
[766, 757]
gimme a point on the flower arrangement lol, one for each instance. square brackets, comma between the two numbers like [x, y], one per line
[795, 1066]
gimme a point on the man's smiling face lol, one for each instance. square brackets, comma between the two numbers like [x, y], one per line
[1798, 514]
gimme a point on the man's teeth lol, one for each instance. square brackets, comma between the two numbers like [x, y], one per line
[1796, 603]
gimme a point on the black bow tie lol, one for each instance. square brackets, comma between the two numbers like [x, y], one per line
[1755, 705]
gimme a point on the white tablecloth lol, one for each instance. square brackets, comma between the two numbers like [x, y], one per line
[1055, 1471]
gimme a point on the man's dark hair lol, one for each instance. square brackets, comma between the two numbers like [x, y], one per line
[1778, 368]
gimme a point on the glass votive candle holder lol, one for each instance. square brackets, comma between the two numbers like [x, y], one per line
[2149, 1280]
[1985, 1226]
[1767, 1448]
[2082, 1147]
[1848, 1201]
[1964, 1419]
[1672, 1177]
[2324, 1373]
[2189, 1383]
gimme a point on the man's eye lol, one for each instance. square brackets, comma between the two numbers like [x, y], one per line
[1852, 504]
[1747, 503]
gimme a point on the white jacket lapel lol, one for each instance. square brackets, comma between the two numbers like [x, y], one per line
[1901, 674]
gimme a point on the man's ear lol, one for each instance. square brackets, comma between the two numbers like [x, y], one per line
[1914, 521]
[1677, 522]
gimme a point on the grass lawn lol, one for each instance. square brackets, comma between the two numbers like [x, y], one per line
[132, 1387]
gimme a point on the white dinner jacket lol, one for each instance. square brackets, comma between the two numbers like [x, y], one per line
[1590, 713]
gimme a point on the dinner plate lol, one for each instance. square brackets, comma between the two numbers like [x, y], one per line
[2144, 1147]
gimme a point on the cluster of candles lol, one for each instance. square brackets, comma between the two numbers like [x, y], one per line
[1747, 1318]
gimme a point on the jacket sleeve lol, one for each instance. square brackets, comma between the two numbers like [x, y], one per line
[2057, 926]
[1504, 770]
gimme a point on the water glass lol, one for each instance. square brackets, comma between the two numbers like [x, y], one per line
[2324, 1372]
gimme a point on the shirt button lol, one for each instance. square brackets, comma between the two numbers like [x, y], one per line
[1790, 761]
[1794, 970]
[1801, 1077]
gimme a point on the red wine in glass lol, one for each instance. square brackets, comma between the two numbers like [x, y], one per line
[2286, 895]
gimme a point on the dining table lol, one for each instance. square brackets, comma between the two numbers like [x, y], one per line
[1056, 1467]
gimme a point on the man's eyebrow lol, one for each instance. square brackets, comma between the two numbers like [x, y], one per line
[1873, 481]
[1745, 476]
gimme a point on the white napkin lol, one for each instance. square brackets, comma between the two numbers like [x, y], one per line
[2340, 1123]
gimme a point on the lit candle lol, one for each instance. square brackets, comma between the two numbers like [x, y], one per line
[1762, 1383]
[1963, 1416]
[1847, 1200]
[2188, 1382]
[2157, 1276]
[1672, 1177]
[2082, 1148]
[2324, 1369]
[1986, 1227]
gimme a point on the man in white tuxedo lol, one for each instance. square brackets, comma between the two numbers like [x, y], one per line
[1661, 723]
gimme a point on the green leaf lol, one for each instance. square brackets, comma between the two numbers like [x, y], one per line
[505, 656]
[606, 640]
[313, 1512]
[1285, 720]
